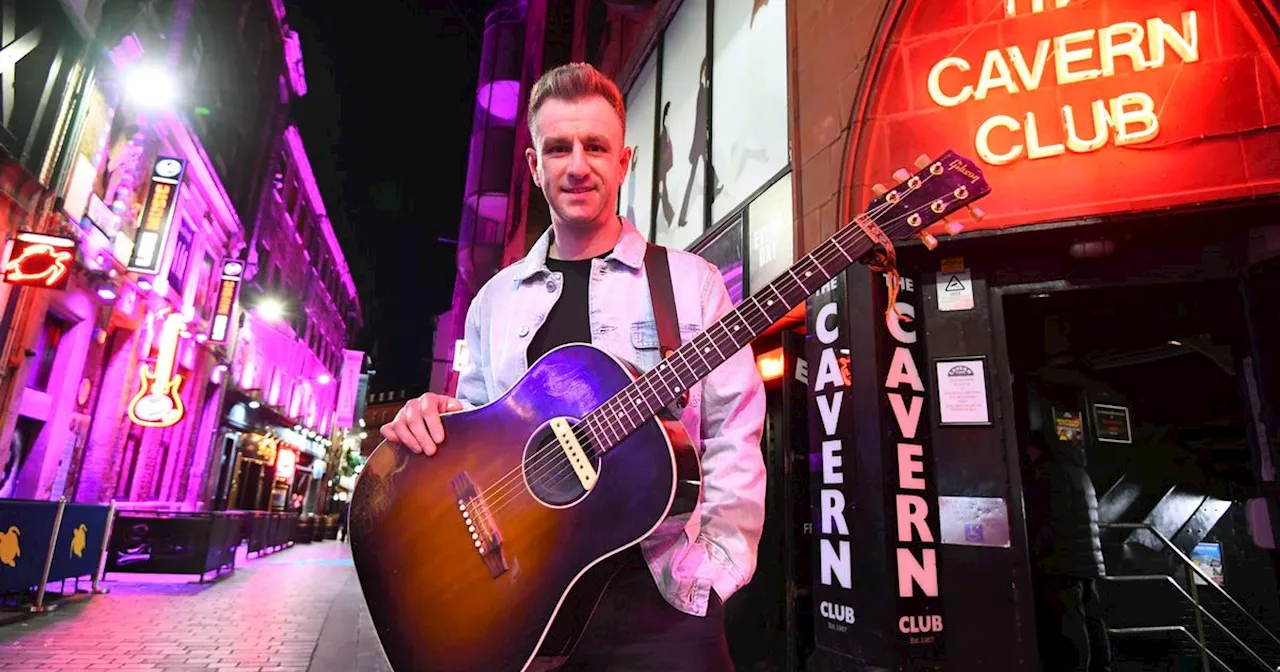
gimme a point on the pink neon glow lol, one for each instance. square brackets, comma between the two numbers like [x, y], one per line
[299, 152]
[293, 63]
[125, 53]
[278, 6]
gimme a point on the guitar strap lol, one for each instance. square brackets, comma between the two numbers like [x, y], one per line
[663, 297]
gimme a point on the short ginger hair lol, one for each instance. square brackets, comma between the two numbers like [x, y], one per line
[572, 82]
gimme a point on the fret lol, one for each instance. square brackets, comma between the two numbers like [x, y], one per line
[820, 267]
[846, 254]
[608, 426]
[781, 298]
[714, 345]
[704, 357]
[656, 401]
[798, 282]
[724, 324]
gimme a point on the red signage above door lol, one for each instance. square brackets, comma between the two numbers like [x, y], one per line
[1081, 107]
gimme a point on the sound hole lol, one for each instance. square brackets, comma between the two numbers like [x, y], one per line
[548, 471]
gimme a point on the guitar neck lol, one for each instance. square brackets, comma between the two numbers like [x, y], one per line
[640, 401]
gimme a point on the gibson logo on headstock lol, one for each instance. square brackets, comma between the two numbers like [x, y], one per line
[958, 166]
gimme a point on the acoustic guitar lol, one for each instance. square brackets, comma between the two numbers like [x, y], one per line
[466, 557]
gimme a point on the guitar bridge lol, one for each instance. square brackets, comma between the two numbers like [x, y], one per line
[474, 513]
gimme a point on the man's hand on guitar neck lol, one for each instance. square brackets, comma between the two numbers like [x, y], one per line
[417, 425]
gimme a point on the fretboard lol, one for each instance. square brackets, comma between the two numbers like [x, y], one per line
[622, 414]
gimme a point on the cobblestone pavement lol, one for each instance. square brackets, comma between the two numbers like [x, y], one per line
[299, 609]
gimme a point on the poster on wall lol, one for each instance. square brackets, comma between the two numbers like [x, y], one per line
[841, 617]
[682, 128]
[853, 586]
[1112, 423]
[749, 99]
[1207, 556]
[912, 519]
[769, 221]
[962, 391]
[634, 201]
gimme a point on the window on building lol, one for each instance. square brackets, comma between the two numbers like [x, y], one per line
[181, 259]
[635, 202]
[750, 143]
[55, 328]
[742, 77]
[683, 126]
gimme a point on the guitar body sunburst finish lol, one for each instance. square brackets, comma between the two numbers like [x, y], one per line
[437, 601]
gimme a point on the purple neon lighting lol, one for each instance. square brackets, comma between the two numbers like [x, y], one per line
[293, 63]
[299, 152]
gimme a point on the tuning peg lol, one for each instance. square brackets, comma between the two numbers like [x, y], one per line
[976, 213]
[929, 241]
[878, 189]
[953, 227]
[901, 175]
[923, 161]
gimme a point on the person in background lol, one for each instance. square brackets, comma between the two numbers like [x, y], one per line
[1067, 552]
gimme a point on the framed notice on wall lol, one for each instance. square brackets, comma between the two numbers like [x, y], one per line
[1112, 423]
[962, 391]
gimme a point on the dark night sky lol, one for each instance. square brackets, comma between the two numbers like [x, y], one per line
[386, 122]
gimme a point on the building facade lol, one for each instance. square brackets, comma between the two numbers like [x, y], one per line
[1110, 301]
[131, 234]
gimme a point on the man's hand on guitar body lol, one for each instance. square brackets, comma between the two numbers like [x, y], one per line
[417, 425]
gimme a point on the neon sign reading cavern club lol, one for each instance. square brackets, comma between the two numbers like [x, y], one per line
[1065, 60]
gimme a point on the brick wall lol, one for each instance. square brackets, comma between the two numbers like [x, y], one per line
[830, 43]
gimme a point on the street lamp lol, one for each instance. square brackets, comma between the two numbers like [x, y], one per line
[150, 86]
[270, 309]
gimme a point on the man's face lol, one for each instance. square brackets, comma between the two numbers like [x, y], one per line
[579, 159]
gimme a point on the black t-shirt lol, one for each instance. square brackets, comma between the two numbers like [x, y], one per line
[568, 321]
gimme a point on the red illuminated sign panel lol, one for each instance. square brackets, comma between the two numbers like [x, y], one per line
[232, 270]
[1081, 107]
[37, 260]
[157, 215]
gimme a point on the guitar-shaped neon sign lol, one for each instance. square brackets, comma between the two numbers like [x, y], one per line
[158, 401]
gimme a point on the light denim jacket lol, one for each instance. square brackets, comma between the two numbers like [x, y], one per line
[714, 546]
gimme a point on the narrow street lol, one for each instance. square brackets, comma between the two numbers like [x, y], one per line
[299, 609]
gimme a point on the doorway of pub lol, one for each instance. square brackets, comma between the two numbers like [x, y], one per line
[1143, 398]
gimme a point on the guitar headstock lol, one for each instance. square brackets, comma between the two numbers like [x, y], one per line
[939, 188]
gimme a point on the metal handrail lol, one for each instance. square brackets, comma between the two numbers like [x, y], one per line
[1213, 619]
[1171, 628]
[1193, 567]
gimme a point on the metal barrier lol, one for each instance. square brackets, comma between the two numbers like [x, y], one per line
[174, 543]
[1193, 597]
[44, 542]
[266, 531]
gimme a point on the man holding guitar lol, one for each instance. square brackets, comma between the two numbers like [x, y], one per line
[585, 281]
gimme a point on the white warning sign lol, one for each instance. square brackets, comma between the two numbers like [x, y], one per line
[955, 290]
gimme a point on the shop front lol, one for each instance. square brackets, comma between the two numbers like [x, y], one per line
[1110, 311]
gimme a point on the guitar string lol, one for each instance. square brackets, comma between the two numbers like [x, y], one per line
[545, 459]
